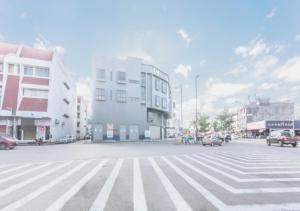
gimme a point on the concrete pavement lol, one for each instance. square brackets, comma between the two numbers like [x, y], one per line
[150, 176]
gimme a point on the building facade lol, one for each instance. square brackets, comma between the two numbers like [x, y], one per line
[131, 100]
[82, 117]
[37, 95]
[262, 111]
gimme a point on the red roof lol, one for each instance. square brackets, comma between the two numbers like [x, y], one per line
[36, 81]
[33, 104]
[33, 53]
[6, 48]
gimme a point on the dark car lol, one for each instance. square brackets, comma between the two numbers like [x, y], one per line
[7, 142]
[282, 138]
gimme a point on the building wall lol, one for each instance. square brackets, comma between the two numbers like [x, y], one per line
[82, 117]
[109, 113]
[32, 100]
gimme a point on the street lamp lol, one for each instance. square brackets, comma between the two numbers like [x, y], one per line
[181, 118]
[196, 88]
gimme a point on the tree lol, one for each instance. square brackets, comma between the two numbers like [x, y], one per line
[223, 121]
[202, 124]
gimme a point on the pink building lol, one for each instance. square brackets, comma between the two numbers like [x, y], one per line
[37, 95]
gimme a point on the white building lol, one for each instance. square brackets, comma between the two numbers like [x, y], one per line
[82, 117]
[131, 100]
[37, 94]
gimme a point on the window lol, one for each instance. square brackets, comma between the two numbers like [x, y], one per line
[164, 103]
[11, 68]
[157, 84]
[121, 77]
[143, 79]
[100, 94]
[143, 93]
[100, 74]
[28, 70]
[0, 93]
[121, 96]
[42, 72]
[164, 87]
[157, 101]
[38, 93]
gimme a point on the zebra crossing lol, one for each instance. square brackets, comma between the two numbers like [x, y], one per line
[219, 180]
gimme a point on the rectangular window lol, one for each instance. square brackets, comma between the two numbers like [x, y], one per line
[0, 94]
[38, 93]
[164, 103]
[28, 70]
[164, 87]
[143, 79]
[143, 93]
[100, 94]
[121, 96]
[121, 77]
[157, 84]
[100, 74]
[42, 72]
[11, 68]
[157, 101]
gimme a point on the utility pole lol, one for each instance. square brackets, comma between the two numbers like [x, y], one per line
[181, 119]
[196, 89]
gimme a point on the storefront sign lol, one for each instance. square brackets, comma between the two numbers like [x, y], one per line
[279, 124]
[42, 122]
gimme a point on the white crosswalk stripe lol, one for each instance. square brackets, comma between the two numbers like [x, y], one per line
[224, 175]
[43, 189]
[177, 199]
[139, 200]
[100, 201]
[59, 203]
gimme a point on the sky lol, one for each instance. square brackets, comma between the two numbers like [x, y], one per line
[238, 48]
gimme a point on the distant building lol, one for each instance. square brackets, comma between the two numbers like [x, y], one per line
[261, 112]
[82, 129]
[37, 95]
[131, 100]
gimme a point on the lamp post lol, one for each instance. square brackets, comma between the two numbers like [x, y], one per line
[196, 89]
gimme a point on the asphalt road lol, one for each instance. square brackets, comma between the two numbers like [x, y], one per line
[240, 175]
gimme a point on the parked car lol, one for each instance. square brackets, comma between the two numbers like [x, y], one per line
[282, 138]
[227, 137]
[7, 142]
[212, 140]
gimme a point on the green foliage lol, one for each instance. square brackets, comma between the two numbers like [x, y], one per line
[202, 124]
[223, 121]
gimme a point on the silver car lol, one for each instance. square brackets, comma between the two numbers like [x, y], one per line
[212, 140]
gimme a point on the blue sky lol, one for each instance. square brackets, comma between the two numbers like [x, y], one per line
[239, 48]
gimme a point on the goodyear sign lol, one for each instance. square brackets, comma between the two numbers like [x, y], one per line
[287, 124]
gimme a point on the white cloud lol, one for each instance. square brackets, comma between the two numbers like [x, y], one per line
[138, 53]
[290, 71]
[42, 43]
[185, 36]
[83, 87]
[2, 38]
[202, 62]
[239, 69]
[254, 49]
[23, 15]
[265, 64]
[218, 88]
[183, 70]
[297, 38]
[268, 86]
[271, 13]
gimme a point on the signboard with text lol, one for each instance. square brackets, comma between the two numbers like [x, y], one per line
[273, 124]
